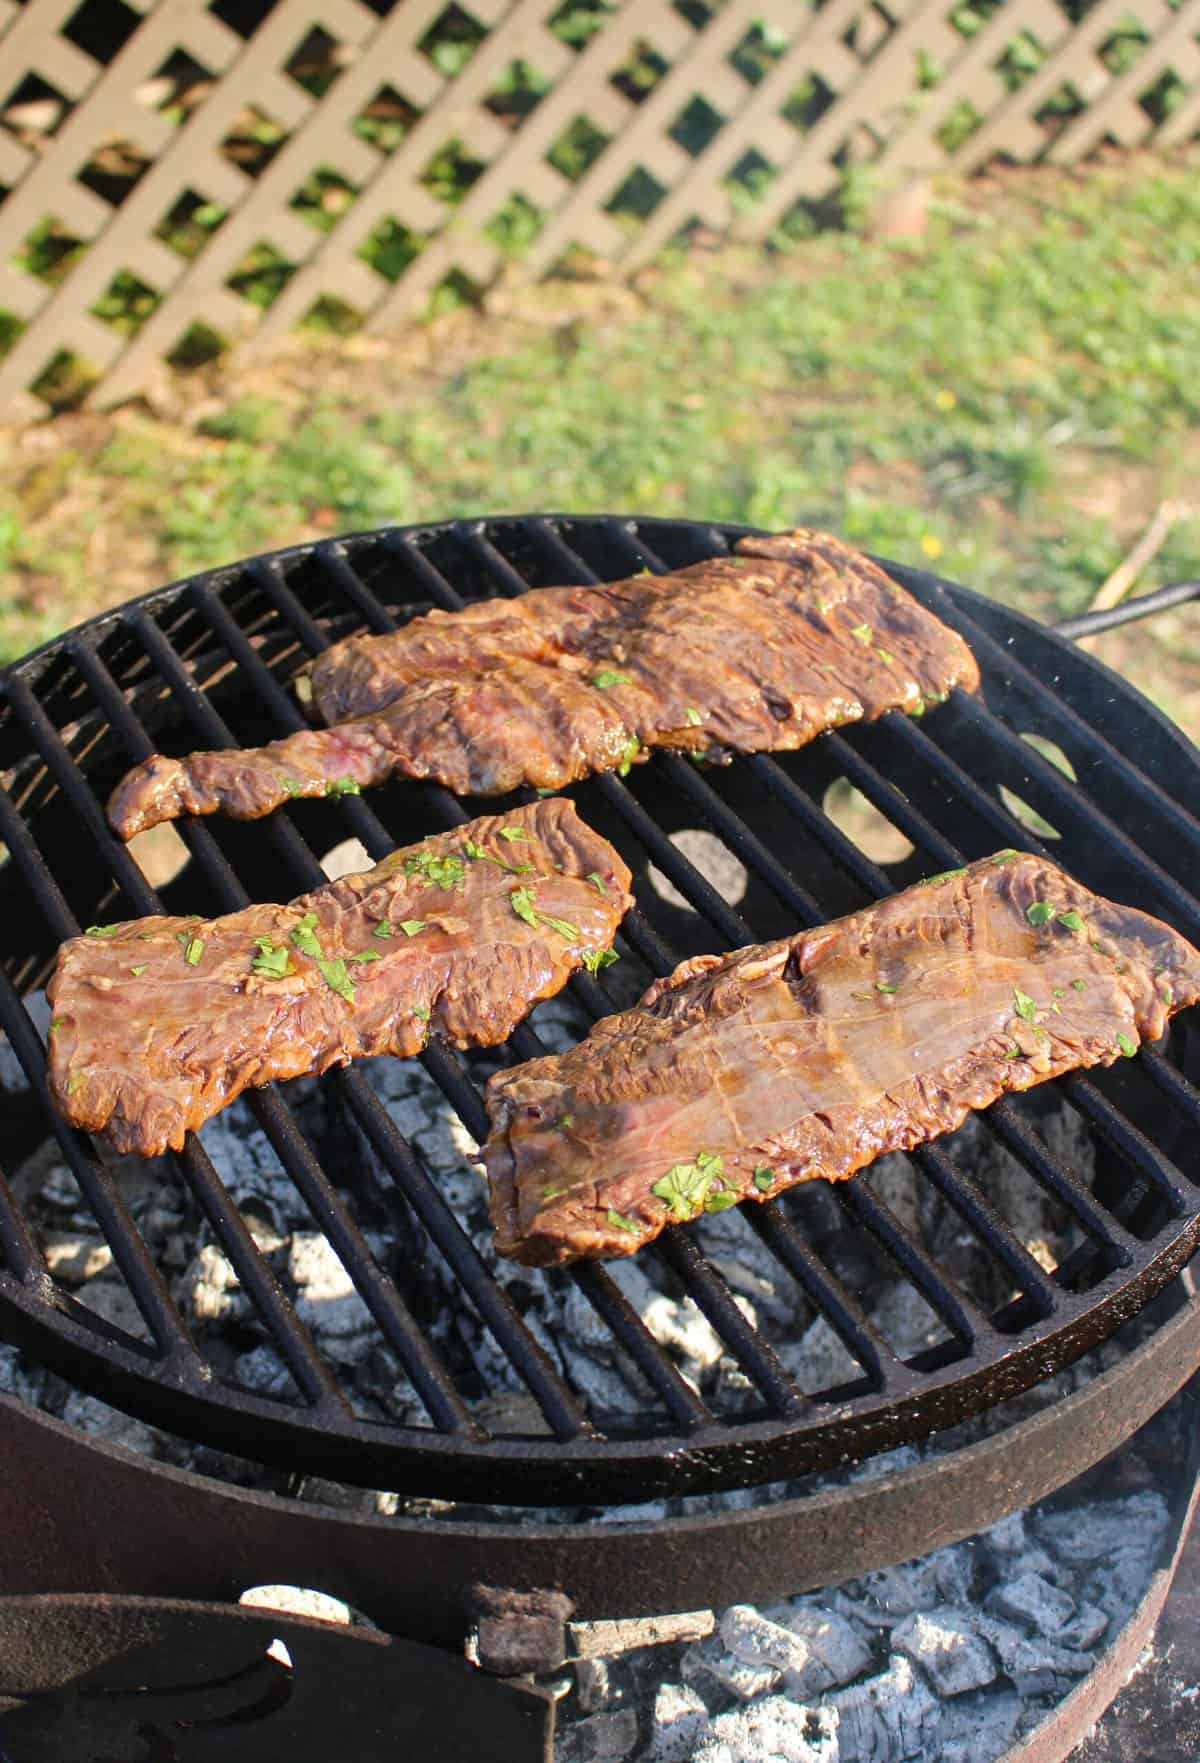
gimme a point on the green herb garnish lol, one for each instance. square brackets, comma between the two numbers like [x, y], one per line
[880, 987]
[1012, 1052]
[303, 936]
[722, 1201]
[629, 753]
[421, 1010]
[337, 979]
[595, 959]
[693, 716]
[1128, 1046]
[1041, 912]
[608, 676]
[918, 710]
[862, 633]
[447, 873]
[685, 1186]
[383, 930]
[523, 904]
[365, 955]
[137, 971]
[1079, 985]
[1024, 1006]
[562, 925]
[597, 881]
[885, 655]
[74, 1083]
[512, 833]
[343, 786]
[620, 1221]
[1071, 920]
[553, 1194]
[102, 930]
[764, 1177]
[413, 927]
[194, 951]
[1004, 856]
[864, 997]
[272, 960]
[57, 1021]
[289, 785]
[943, 875]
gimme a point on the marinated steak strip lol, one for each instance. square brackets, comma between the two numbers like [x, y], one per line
[741, 1074]
[759, 651]
[158, 1023]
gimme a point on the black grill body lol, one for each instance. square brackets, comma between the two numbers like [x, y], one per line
[208, 663]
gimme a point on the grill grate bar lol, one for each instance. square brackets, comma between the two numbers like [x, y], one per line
[429, 1377]
[330, 557]
[29, 860]
[1184, 1095]
[610, 1303]
[296, 1347]
[556, 1400]
[145, 1282]
[972, 1204]
[1060, 715]
[961, 1315]
[1132, 1145]
[709, 1291]
[844, 1314]
[19, 1251]
[739, 838]
[1064, 798]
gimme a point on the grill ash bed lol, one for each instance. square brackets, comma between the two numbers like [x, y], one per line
[1056, 757]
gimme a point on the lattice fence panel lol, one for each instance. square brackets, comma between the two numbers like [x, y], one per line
[178, 176]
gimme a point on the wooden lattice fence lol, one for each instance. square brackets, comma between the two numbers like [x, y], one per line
[177, 176]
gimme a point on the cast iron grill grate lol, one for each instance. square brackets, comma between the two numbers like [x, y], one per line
[207, 664]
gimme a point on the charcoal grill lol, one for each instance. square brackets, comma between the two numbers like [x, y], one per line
[208, 663]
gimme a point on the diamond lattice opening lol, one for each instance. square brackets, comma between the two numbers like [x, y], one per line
[1164, 96]
[640, 72]
[126, 303]
[177, 86]
[253, 141]
[959, 126]
[1021, 59]
[1125, 47]
[261, 274]
[577, 21]
[101, 27]
[518, 92]
[1060, 108]
[577, 148]
[189, 223]
[637, 198]
[451, 40]
[515, 226]
[758, 51]
[316, 61]
[386, 120]
[807, 103]
[696, 126]
[48, 251]
[390, 247]
[748, 181]
[451, 172]
[323, 198]
[34, 111]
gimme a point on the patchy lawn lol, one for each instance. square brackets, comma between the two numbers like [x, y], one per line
[1007, 399]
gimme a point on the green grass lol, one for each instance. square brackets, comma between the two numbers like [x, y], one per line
[956, 400]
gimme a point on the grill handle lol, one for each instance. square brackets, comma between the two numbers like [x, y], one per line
[1144, 606]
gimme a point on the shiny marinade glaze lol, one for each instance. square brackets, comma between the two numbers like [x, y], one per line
[739, 1075]
[160, 1022]
[759, 651]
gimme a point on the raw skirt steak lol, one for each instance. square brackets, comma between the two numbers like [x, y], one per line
[741, 1074]
[763, 650]
[159, 1023]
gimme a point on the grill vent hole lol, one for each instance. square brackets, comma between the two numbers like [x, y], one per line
[1020, 810]
[862, 822]
[1053, 752]
[716, 863]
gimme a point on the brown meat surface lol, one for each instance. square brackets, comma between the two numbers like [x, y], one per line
[760, 651]
[159, 1023]
[741, 1074]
